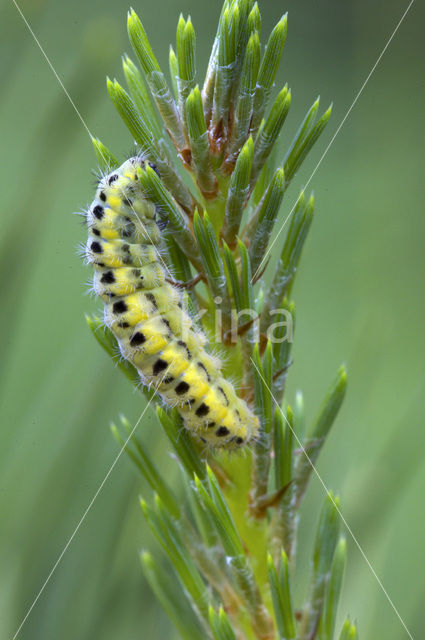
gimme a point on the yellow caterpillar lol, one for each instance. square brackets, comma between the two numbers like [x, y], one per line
[147, 314]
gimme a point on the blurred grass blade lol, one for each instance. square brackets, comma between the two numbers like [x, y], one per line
[317, 434]
[175, 604]
[155, 79]
[281, 596]
[237, 195]
[333, 592]
[105, 158]
[324, 549]
[268, 70]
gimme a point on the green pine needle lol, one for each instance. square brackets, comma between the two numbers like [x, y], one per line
[106, 159]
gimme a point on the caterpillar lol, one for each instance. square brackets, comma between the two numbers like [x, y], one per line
[149, 317]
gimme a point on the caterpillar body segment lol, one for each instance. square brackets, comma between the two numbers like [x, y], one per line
[149, 317]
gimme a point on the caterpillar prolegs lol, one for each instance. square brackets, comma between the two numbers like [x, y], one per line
[149, 317]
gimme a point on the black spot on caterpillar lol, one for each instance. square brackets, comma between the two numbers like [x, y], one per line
[96, 247]
[119, 307]
[98, 212]
[108, 277]
[137, 339]
[182, 388]
[159, 366]
[150, 320]
[202, 410]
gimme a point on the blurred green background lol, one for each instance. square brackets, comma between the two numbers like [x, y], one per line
[359, 298]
